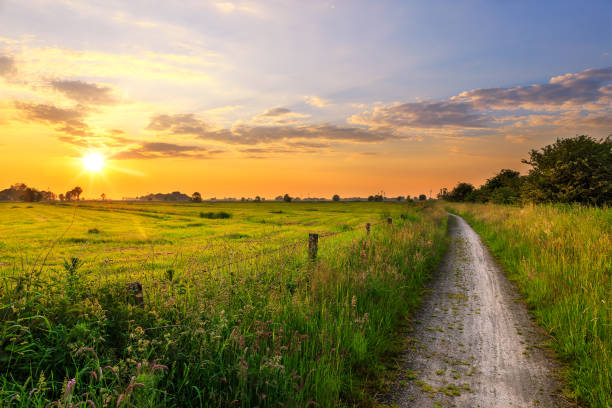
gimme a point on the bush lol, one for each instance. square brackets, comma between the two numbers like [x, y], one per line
[215, 215]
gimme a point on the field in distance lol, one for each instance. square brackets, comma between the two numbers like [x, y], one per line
[114, 236]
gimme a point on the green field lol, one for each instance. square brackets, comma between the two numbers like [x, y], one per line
[234, 313]
[561, 259]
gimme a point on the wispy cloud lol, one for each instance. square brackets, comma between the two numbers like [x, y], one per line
[85, 93]
[160, 150]
[8, 67]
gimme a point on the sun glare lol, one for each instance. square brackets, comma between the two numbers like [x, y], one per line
[93, 162]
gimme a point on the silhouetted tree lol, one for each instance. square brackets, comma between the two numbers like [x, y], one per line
[257, 199]
[31, 195]
[196, 197]
[61, 197]
[422, 197]
[336, 197]
[460, 193]
[77, 191]
[400, 198]
[577, 169]
[103, 197]
[287, 198]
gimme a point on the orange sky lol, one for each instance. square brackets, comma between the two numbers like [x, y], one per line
[245, 105]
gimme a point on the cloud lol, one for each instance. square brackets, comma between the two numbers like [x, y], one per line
[159, 150]
[517, 138]
[424, 115]
[572, 89]
[7, 66]
[252, 134]
[84, 92]
[565, 102]
[316, 101]
[276, 112]
[67, 120]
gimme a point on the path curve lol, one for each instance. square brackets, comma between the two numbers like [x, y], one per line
[474, 343]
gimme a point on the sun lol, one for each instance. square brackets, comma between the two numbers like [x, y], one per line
[93, 162]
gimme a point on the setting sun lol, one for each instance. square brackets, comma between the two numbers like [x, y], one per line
[93, 162]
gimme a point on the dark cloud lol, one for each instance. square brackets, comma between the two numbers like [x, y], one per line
[158, 150]
[67, 120]
[85, 93]
[247, 134]
[585, 87]
[7, 66]
[424, 115]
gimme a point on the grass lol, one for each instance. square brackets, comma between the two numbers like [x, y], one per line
[560, 258]
[234, 312]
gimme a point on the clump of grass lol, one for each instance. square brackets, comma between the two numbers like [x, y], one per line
[215, 215]
[93, 231]
[559, 256]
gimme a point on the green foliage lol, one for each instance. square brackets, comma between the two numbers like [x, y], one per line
[574, 170]
[215, 215]
[559, 256]
[212, 331]
[460, 193]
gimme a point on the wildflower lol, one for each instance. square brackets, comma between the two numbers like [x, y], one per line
[129, 390]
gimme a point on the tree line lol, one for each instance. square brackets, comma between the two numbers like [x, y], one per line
[572, 170]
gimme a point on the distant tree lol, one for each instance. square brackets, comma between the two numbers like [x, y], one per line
[279, 198]
[407, 197]
[503, 188]
[422, 197]
[336, 197]
[442, 194]
[77, 191]
[371, 198]
[287, 198]
[31, 195]
[243, 199]
[400, 198]
[69, 195]
[61, 197]
[257, 199]
[196, 197]
[577, 169]
[461, 192]
[103, 197]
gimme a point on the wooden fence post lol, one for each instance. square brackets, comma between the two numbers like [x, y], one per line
[313, 246]
[368, 228]
[390, 221]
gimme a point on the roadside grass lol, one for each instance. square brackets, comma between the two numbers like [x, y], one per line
[560, 257]
[219, 326]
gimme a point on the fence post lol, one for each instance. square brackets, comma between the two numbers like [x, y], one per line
[390, 221]
[135, 288]
[368, 228]
[313, 246]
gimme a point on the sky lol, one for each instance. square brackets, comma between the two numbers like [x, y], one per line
[310, 98]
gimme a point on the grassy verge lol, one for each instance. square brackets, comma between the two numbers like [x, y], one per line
[560, 258]
[275, 331]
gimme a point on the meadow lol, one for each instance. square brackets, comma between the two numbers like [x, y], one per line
[560, 258]
[234, 311]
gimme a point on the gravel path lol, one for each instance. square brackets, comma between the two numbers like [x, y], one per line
[474, 343]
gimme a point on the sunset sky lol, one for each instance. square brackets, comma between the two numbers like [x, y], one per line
[312, 98]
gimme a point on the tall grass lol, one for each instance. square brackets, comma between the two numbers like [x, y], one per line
[278, 330]
[561, 259]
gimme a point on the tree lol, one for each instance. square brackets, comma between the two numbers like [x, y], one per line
[336, 197]
[69, 195]
[407, 197]
[503, 188]
[461, 192]
[31, 195]
[577, 169]
[61, 197]
[422, 197]
[257, 199]
[103, 197]
[77, 191]
[400, 198]
[196, 197]
[287, 198]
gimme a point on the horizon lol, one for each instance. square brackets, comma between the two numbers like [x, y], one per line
[236, 98]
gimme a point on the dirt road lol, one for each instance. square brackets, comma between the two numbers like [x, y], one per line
[474, 344]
